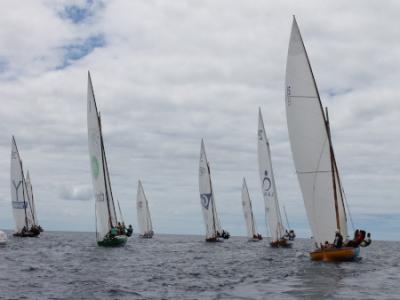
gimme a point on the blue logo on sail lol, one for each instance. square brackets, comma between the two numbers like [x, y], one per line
[205, 200]
[19, 204]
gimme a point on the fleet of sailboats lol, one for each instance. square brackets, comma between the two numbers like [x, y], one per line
[252, 233]
[313, 155]
[143, 213]
[214, 230]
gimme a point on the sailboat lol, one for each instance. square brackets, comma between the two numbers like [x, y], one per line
[25, 225]
[143, 213]
[314, 158]
[3, 238]
[279, 235]
[252, 233]
[109, 232]
[214, 230]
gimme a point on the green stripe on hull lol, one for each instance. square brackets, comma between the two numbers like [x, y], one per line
[117, 241]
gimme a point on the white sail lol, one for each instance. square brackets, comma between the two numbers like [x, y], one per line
[268, 187]
[31, 197]
[311, 147]
[207, 197]
[143, 211]
[105, 210]
[248, 211]
[22, 211]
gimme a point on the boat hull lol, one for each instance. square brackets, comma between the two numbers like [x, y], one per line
[335, 254]
[117, 241]
[26, 234]
[281, 244]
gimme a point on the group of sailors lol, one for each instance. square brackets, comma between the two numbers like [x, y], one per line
[289, 235]
[361, 238]
[35, 229]
[224, 234]
[120, 229]
[257, 236]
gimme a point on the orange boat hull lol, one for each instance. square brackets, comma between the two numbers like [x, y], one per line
[335, 254]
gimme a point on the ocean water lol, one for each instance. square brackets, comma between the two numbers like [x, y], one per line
[61, 265]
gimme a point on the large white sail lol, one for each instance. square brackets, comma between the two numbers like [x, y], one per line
[143, 211]
[22, 211]
[31, 197]
[311, 146]
[207, 197]
[248, 211]
[105, 210]
[268, 187]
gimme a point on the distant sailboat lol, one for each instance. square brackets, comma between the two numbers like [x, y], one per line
[143, 213]
[252, 233]
[3, 238]
[109, 233]
[213, 226]
[314, 158]
[25, 225]
[279, 235]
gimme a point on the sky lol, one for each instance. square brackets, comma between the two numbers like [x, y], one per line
[168, 73]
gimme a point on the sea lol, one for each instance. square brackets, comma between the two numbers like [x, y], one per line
[66, 265]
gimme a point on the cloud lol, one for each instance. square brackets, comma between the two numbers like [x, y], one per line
[166, 75]
[80, 193]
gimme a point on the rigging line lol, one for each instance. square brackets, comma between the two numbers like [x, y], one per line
[348, 209]
[312, 172]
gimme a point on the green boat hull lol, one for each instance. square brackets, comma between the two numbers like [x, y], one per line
[118, 241]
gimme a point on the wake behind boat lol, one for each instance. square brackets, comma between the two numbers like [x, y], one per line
[214, 230]
[22, 202]
[252, 233]
[110, 232]
[143, 213]
[314, 159]
[280, 237]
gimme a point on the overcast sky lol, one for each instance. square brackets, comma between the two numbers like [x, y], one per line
[168, 73]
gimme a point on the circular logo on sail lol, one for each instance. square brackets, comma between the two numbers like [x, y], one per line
[139, 204]
[95, 167]
[205, 200]
[267, 184]
[260, 135]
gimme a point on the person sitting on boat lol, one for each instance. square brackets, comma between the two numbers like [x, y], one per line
[291, 235]
[338, 242]
[225, 234]
[367, 241]
[129, 231]
[114, 232]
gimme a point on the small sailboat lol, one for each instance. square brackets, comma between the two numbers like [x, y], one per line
[109, 231]
[214, 230]
[3, 238]
[25, 225]
[314, 158]
[279, 235]
[143, 214]
[252, 233]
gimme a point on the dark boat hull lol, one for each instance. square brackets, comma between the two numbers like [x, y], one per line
[117, 241]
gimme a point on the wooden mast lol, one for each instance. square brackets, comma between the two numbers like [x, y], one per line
[333, 170]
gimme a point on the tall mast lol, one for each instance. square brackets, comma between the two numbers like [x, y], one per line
[333, 169]
[104, 172]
